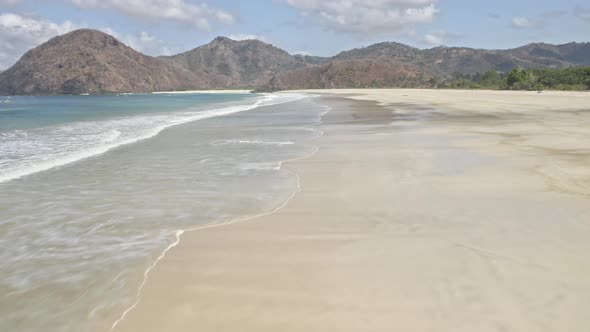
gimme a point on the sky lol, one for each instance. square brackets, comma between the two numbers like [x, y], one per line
[314, 27]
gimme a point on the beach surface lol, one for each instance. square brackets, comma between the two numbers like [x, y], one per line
[200, 91]
[422, 210]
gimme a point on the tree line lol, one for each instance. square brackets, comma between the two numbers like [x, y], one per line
[520, 79]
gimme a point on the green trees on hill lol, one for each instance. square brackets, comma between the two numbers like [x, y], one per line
[524, 79]
[564, 79]
[519, 79]
[491, 79]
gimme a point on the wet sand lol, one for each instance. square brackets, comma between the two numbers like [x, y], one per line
[430, 211]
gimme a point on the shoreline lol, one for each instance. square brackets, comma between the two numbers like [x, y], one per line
[230, 163]
[93, 152]
[357, 250]
[187, 232]
[181, 232]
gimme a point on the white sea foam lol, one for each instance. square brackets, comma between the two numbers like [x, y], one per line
[255, 142]
[267, 166]
[111, 136]
[27, 152]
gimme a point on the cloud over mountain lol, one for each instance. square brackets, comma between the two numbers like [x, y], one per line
[367, 17]
[440, 37]
[521, 22]
[201, 15]
[247, 36]
[20, 33]
[539, 21]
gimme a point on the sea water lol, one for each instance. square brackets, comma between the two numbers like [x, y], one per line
[94, 188]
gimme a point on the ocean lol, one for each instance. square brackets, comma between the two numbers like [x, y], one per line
[95, 189]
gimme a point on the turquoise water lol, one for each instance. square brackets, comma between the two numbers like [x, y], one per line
[24, 112]
[38, 133]
[93, 189]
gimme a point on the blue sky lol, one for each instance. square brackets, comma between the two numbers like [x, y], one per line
[318, 27]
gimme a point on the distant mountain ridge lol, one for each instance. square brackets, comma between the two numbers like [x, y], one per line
[90, 61]
[394, 64]
[231, 63]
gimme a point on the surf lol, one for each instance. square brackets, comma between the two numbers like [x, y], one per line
[26, 152]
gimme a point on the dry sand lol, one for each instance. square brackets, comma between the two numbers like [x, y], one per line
[438, 211]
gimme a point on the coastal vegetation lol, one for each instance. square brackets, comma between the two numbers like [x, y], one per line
[566, 79]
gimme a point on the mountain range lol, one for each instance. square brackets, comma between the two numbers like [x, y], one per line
[90, 61]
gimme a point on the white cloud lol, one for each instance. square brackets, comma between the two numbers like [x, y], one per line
[433, 39]
[583, 13]
[367, 17]
[143, 42]
[521, 22]
[199, 15]
[303, 52]
[440, 37]
[20, 33]
[538, 21]
[245, 36]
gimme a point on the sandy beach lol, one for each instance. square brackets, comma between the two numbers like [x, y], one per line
[422, 210]
[199, 91]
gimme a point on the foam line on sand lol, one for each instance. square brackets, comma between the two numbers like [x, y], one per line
[179, 233]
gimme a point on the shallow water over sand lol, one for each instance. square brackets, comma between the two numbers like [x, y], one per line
[76, 239]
